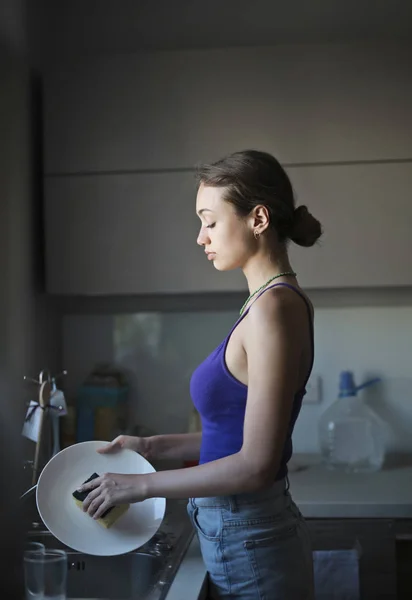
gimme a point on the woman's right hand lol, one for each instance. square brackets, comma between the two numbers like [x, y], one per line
[141, 445]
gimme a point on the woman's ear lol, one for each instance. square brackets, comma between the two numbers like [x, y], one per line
[259, 219]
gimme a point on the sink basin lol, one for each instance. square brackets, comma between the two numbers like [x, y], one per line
[144, 574]
[121, 577]
[124, 577]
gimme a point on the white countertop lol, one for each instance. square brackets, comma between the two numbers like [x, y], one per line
[323, 493]
[190, 577]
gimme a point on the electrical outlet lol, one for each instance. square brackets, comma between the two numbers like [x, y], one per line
[313, 390]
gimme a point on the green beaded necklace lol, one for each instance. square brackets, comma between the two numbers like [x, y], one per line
[291, 273]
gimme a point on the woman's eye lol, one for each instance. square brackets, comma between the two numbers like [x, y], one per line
[210, 226]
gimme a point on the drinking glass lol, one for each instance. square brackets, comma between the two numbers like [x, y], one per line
[45, 574]
[35, 547]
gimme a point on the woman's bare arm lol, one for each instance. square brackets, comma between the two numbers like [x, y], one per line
[178, 446]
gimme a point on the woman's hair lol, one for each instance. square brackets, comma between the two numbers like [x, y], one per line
[254, 178]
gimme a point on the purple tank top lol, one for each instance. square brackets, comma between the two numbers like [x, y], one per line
[220, 400]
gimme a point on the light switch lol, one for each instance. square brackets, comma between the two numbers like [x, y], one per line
[313, 390]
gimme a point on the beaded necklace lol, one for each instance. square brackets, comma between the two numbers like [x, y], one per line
[291, 273]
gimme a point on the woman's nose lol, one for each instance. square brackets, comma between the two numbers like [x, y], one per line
[202, 238]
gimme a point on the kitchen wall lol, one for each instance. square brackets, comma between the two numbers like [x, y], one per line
[161, 349]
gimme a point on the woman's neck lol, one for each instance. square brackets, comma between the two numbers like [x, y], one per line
[259, 270]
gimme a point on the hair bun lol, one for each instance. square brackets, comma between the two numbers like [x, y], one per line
[306, 230]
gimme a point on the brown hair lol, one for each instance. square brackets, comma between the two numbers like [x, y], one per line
[254, 178]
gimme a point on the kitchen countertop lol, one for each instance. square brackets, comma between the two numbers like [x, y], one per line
[323, 493]
[189, 581]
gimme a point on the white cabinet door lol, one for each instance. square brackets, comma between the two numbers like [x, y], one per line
[305, 104]
[366, 211]
[127, 234]
[136, 234]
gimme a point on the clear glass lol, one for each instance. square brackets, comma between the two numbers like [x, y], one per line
[35, 547]
[45, 574]
[351, 436]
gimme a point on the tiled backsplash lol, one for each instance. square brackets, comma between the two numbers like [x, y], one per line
[161, 349]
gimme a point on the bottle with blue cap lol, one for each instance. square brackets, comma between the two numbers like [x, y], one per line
[351, 434]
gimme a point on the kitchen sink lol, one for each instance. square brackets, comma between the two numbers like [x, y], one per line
[145, 574]
[123, 577]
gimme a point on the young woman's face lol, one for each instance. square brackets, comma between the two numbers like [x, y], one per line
[226, 238]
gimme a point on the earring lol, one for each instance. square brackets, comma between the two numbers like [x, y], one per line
[256, 233]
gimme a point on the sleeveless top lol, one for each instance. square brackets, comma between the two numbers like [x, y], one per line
[220, 400]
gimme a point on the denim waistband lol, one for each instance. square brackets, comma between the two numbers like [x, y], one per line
[278, 489]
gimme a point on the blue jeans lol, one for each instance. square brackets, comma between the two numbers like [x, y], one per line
[255, 546]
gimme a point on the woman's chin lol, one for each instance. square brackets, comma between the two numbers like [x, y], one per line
[219, 266]
[222, 266]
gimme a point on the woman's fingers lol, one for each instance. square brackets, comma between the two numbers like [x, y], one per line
[111, 447]
[90, 485]
[90, 498]
[105, 505]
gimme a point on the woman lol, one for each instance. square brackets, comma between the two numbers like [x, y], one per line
[248, 392]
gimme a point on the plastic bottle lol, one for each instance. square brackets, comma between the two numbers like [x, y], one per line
[102, 404]
[351, 435]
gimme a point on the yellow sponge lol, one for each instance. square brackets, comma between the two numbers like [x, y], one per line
[111, 515]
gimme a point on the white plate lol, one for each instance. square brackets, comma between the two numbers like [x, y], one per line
[65, 472]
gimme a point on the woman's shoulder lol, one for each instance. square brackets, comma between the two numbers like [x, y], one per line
[280, 303]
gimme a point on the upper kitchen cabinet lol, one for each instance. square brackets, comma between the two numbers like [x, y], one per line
[127, 234]
[123, 133]
[366, 212]
[169, 110]
[136, 233]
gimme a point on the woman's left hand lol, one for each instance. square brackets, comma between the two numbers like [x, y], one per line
[112, 489]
